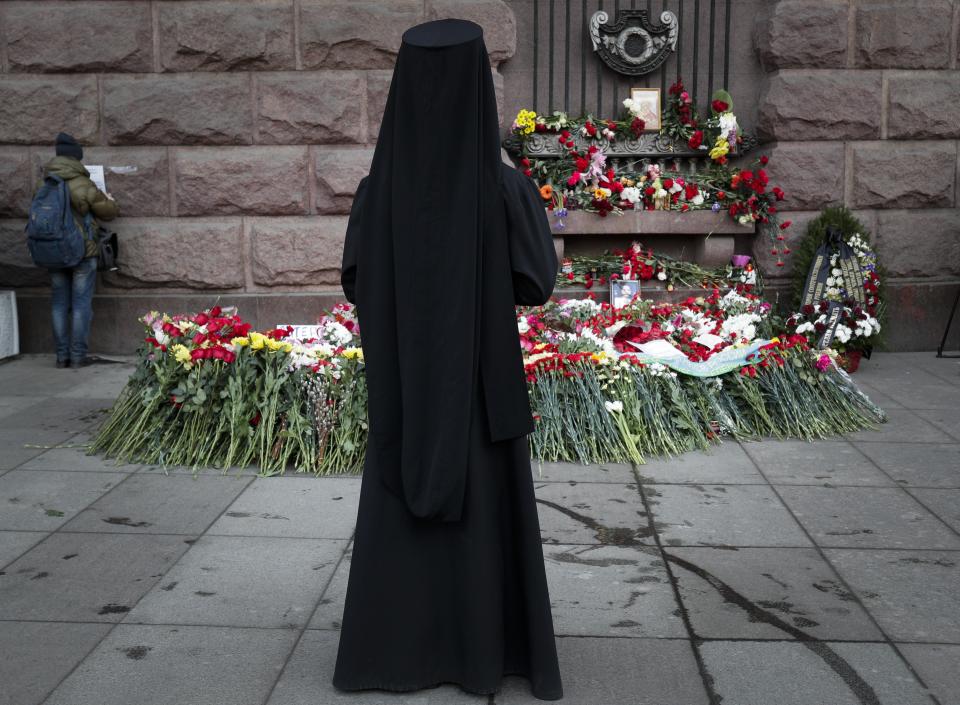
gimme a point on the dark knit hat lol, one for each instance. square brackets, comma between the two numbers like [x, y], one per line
[68, 147]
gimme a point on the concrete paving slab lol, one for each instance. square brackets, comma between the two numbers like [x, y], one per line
[867, 517]
[13, 543]
[21, 378]
[72, 455]
[10, 405]
[243, 582]
[724, 464]
[915, 464]
[943, 503]
[592, 512]
[946, 420]
[912, 594]
[798, 462]
[152, 504]
[916, 388]
[295, 506]
[51, 414]
[904, 426]
[85, 577]
[763, 673]
[576, 472]
[619, 672]
[38, 655]
[722, 515]
[99, 380]
[163, 665]
[618, 591]
[43, 501]
[309, 674]
[330, 608]
[18, 446]
[748, 592]
[882, 400]
[936, 665]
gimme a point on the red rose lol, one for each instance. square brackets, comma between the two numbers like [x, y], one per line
[668, 184]
[582, 164]
[720, 106]
[525, 161]
[764, 159]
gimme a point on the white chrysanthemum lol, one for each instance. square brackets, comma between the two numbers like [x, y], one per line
[728, 123]
[614, 406]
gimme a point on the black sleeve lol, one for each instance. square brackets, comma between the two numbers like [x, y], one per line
[533, 258]
[351, 244]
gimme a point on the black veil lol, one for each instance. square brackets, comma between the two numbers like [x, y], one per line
[427, 262]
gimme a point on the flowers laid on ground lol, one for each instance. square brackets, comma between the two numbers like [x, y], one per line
[210, 391]
[585, 178]
[859, 313]
[643, 264]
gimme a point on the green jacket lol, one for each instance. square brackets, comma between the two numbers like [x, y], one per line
[85, 197]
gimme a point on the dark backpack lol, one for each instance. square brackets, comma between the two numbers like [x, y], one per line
[53, 237]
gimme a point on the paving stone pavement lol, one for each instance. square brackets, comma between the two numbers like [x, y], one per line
[759, 573]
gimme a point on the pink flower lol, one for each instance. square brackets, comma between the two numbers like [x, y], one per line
[574, 179]
[823, 363]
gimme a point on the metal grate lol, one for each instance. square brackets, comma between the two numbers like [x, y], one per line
[559, 27]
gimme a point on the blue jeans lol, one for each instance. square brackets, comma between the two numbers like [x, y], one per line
[72, 299]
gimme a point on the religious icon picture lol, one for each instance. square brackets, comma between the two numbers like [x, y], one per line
[646, 106]
[622, 291]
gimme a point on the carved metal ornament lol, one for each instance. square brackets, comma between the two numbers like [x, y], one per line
[630, 44]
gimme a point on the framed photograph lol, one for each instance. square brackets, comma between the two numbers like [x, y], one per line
[622, 291]
[648, 100]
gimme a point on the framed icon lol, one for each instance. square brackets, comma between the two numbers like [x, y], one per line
[647, 107]
[623, 291]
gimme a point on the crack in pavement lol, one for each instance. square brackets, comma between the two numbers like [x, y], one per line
[863, 691]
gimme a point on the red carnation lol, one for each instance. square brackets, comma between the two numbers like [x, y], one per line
[696, 139]
[720, 106]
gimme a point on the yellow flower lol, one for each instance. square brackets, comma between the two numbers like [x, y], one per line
[257, 340]
[353, 353]
[601, 193]
[182, 355]
[526, 121]
[720, 149]
[240, 342]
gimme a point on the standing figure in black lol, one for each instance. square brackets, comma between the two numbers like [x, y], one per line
[447, 581]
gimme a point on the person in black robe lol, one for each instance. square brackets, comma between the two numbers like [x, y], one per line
[447, 582]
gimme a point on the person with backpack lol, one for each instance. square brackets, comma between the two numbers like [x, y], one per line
[62, 237]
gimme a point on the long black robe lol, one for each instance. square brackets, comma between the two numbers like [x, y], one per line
[447, 580]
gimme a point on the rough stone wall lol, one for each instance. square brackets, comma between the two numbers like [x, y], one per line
[861, 107]
[249, 124]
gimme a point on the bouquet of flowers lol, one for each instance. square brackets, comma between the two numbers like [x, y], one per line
[585, 178]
